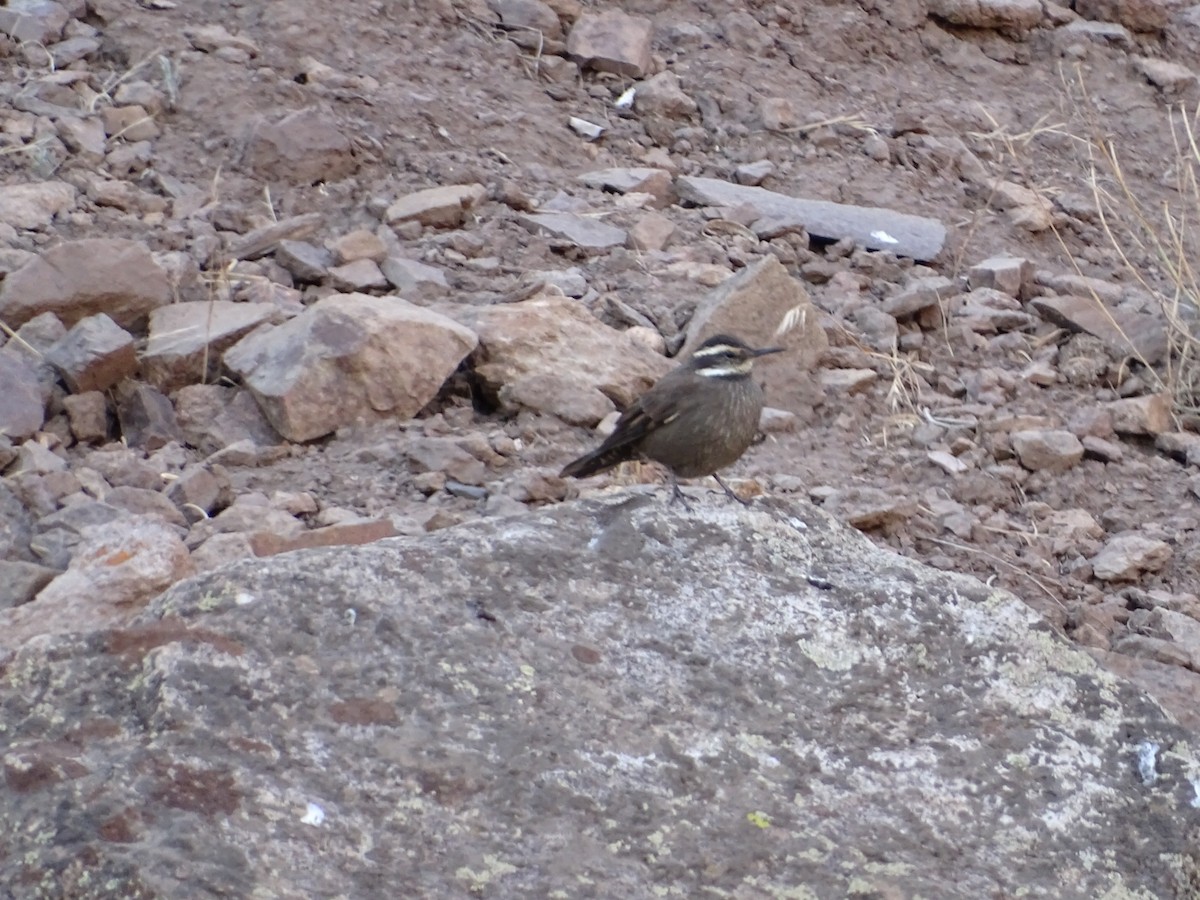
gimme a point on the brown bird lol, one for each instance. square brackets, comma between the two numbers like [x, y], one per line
[698, 418]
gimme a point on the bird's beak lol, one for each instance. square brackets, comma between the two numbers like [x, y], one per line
[767, 351]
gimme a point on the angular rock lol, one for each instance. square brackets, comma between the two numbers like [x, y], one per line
[22, 407]
[918, 295]
[409, 274]
[550, 354]
[1149, 414]
[582, 231]
[306, 262]
[132, 123]
[868, 508]
[872, 228]
[116, 569]
[1175, 81]
[1013, 275]
[143, 502]
[200, 491]
[1126, 556]
[20, 581]
[445, 455]
[662, 97]
[34, 21]
[220, 550]
[439, 207]
[752, 305]
[1176, 689]
[304, 147]
[651, 232]
[214, 417]
[204, 692]
[1137, 15]
[1025, 208]
[527, 15]
[85, 138]
[35, 459]
[119, 465]
[77, 279]
[611, 41]
[632, 179]
[349, 357]
[94, 355]
[32, 206]
[344, 535]
[754, 173]
[88, 415]
[214, 37]
[360, 275]
[1047, 450]
[1181, 445]
[1140, 334]
[846, 381]
[146, 417]
[356, 245]
[266, 239]
[1182, 630]
[187, 339]
[1015, 16]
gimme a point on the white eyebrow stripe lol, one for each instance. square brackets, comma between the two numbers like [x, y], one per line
[715, 350]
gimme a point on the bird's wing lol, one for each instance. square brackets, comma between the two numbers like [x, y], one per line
[658, 406]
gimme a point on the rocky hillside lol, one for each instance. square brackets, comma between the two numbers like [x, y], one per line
[279, 277]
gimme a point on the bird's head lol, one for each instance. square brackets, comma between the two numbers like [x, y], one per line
[724, 356]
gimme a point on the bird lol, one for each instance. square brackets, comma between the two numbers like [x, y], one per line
[697, 419]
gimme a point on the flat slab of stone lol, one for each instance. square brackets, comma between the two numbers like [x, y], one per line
[726, 702]
[582, 231]
[874, 228]
[180, 335]
[1138, 334]
[440, 207]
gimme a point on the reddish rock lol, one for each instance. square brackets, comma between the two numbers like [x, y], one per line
[611, 41]
[350, 533]
[77, 279]
[1047, 450]
[1149, 414]
[187, 339]
[34, 205]
[88, 416]
[94, 355]
[359, 244]
[548, 353]
[1126, 556]
[116, 569]
[442, 207]
[349, 357]
[146, 416]
[304, 147]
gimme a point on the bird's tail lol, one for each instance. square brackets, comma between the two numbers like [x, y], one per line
[596, 461]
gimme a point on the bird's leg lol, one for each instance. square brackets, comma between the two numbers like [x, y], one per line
[676, 493]
[729, 492]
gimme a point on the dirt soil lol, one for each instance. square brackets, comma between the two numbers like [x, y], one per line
[435, 93]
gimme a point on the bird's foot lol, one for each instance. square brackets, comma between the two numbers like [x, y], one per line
[677, 494]
[729, 492]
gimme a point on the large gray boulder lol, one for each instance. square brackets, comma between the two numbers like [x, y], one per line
[607, 699]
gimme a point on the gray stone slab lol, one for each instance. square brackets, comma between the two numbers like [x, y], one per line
[874, 228]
